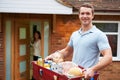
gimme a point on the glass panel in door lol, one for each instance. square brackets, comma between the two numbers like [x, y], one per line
[46, 38]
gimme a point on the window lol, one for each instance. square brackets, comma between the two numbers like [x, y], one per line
[112, 30]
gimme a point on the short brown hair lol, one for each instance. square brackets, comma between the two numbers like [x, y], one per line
[87, 5]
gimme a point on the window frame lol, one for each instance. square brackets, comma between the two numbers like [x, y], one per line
[117, 58]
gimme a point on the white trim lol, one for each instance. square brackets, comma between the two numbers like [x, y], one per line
[116, 59]
[107, 13]
[34, 6]
[118, 51]
[111, 33]
[106, 21]
[113, 58]
[102, 13]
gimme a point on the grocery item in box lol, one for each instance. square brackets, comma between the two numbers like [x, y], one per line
[71, 69]
[51, 75]
[56, 68]
[57, 57]
[75, 71]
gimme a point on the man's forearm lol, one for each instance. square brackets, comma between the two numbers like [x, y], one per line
[106, 60]
[63, 53]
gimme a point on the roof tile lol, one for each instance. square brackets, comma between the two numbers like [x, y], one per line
[100, 5]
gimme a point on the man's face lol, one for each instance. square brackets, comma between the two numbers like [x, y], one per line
[85, 16]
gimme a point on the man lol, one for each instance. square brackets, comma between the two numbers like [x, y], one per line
[87, 44]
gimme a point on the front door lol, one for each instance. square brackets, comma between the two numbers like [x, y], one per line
[22, 50]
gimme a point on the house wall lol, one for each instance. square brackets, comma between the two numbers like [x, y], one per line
[65, 25]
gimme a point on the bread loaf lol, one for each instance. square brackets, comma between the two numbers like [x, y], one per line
[75, 71]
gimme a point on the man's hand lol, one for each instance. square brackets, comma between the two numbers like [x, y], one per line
[50, 57]
[56, 57]
[89, 73]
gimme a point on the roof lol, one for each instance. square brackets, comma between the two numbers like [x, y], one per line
[99, 5]
[34, 6]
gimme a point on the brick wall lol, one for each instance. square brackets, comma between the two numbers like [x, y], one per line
[2, 61]
[111, 72]
[64, 28]
[65, 25]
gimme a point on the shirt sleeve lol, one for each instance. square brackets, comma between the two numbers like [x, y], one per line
[70, 43]
[103, 42]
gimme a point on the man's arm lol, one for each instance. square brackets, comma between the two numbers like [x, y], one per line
[106, 60]
[66, 51]
[63, 53]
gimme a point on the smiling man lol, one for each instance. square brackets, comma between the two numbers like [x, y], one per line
[87, 44]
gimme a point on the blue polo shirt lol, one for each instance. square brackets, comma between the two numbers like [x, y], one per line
[87, 46]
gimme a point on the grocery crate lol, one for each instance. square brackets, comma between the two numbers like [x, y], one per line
[41, 73]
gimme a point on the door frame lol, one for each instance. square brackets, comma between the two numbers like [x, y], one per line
[42, 33]
[12, 67]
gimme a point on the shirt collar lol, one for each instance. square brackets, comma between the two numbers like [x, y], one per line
[89, 31]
